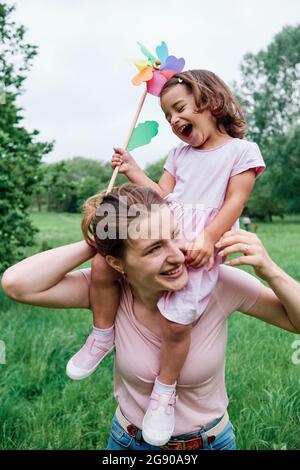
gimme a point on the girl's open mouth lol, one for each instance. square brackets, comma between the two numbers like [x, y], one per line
[186, 130]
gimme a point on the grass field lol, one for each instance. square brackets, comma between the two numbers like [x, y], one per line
[42, 409]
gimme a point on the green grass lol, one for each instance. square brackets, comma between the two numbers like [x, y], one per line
[42, 409]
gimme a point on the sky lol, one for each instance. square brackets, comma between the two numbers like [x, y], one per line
[79, 91]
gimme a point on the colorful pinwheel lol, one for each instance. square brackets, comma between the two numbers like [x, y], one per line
[156, 71]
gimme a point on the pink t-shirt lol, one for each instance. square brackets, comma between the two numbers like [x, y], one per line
[201, 387]
[201, 182]
[202, 175]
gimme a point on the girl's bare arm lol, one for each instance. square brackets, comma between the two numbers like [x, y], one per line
[127, 165]
[238, 191]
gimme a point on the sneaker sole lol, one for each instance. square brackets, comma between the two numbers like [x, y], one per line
[156, 442]
[87, 373]
[152, 442]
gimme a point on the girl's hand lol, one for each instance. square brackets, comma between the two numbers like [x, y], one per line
[254, 253]
[124, 160]
[201, 251]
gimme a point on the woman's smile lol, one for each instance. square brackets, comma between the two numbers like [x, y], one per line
[174, 278]
[173, 273]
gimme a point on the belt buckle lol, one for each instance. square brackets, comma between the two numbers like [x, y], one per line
[174, 445]
[132, 430]
[190, 444]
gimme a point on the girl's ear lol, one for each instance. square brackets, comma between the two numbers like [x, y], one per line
[115, 263]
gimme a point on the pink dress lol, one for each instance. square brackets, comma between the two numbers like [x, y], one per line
[201, 178]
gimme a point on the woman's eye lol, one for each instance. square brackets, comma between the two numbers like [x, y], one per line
[155, 248]
[180, 109]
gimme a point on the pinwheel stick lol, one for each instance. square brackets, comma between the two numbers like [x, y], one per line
[116, 170]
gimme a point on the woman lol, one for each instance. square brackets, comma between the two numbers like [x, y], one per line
[151, 266]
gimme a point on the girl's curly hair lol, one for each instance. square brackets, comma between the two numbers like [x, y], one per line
[210, 92]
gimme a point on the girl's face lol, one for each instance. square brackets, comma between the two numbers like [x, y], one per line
[194, 128]
[156, 264]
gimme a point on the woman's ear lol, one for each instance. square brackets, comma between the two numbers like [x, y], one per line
[115, 263]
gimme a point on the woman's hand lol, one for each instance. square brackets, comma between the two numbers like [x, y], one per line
[254, 253]
[124, 161]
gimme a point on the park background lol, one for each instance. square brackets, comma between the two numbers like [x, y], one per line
[64, 104]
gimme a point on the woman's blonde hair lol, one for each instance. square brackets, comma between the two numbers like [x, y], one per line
[116, 204]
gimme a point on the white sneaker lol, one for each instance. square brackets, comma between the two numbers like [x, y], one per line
[159, 420]
[88, 358]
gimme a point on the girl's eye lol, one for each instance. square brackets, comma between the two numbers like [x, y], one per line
[180, 109]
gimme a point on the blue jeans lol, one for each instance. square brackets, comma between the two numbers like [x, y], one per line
[119, 439]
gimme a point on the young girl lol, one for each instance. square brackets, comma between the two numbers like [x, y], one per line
[207, 183]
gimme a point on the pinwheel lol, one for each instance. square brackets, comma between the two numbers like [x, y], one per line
[155, 72]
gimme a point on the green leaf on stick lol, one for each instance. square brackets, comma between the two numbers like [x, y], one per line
[143, 134]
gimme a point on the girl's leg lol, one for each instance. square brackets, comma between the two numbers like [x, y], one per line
[104, 293]
[159, 420]
[175, 345]
[104, 299]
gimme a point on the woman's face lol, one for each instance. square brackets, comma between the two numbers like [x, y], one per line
[156, 263]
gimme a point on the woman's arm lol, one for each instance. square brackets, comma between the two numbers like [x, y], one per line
[279, 304]
[44, 279]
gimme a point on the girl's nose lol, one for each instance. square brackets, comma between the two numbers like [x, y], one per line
[174, 119]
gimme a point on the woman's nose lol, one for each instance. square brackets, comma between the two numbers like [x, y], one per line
[177, 252]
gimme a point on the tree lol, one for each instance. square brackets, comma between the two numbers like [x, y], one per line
[65, 185]
[155, 170]
[261, 204]
[87, 188]
[60, 189]
[270, 94]
[20, 152]
[286, 173]
[80, 167]
[270, 87]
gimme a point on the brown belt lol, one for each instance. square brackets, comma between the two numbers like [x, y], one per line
[189, 444]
